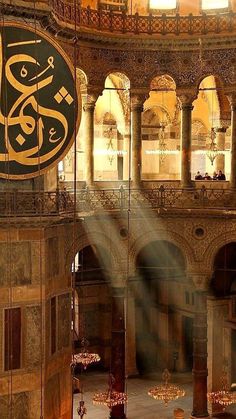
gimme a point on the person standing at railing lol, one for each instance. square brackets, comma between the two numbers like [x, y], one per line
[220, 175]
[206, 176]
[64, 198]
[198, 176]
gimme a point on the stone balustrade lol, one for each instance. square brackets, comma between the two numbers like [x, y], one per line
[122, 22]
[59, 203]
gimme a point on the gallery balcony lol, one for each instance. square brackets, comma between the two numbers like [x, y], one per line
[65, 14]
[215, 196]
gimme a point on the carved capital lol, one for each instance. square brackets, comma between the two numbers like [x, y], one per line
[186, 98]
[90, 99]
[118, 291]
[201, 279]
[232, 100]
[138, 97]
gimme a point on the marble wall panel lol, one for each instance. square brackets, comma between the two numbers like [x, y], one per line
[32, 346]
[34, 404]
[92, 324]
[16, 407]
[52, 398]
[15, 263]
[48, 329]
[36, 252]
[64, 320]
[52, 257]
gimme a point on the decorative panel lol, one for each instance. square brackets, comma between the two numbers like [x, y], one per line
[52, 257]
[39, 102]
[32, 337]
[20, 406]
[64, 320]
[15, 264]
[52, 397]
[53, 325]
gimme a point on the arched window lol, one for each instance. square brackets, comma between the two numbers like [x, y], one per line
[163, 4]
[215, 4]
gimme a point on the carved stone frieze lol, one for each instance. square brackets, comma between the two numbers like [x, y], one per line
[182, 66]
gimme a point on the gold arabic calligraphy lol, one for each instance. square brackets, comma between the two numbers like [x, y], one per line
[19, 116]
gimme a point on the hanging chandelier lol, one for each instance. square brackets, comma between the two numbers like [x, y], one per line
[85, 357]
[166, 392]
[224, 397]
[110, 398]
[213, 151]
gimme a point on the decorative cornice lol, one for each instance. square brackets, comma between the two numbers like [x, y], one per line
[92, 37]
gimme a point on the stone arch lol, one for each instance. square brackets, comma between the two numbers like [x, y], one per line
[163, 109]
[161, 81]
[81, 75]
[218, 77]
[166, 235]
[116, 102]
[95, 238]
[111, 72]
[225, 111]
[216, 244]
[199, 126]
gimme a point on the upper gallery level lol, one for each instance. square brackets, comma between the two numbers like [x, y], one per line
[149, 17]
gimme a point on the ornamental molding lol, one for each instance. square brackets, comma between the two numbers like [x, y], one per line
[182, 66]
[187, 60]
[65, 32]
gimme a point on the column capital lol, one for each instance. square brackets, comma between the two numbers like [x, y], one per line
[90, 99]
[186, 98]
[118, 291]
[201, 279]
[138, 97]
[221, 130]
[231, 95]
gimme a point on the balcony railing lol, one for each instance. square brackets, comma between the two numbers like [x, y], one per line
[121, 22]
[61, 203]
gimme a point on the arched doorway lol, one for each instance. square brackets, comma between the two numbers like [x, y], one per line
[223, 287]
[92, 265]
[163, 314]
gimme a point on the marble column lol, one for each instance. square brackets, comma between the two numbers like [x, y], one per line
[232, 100]
[220, 142]
[200, 371]
[118, 348]
[131, 367]
[88, 108]
[219, 348]
[136, 138]
[185, 141]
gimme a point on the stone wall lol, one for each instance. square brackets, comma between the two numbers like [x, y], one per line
[32, 272]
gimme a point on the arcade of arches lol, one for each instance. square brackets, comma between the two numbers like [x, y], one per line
[147, 250]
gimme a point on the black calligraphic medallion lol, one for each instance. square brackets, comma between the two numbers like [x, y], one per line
[39, 109]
